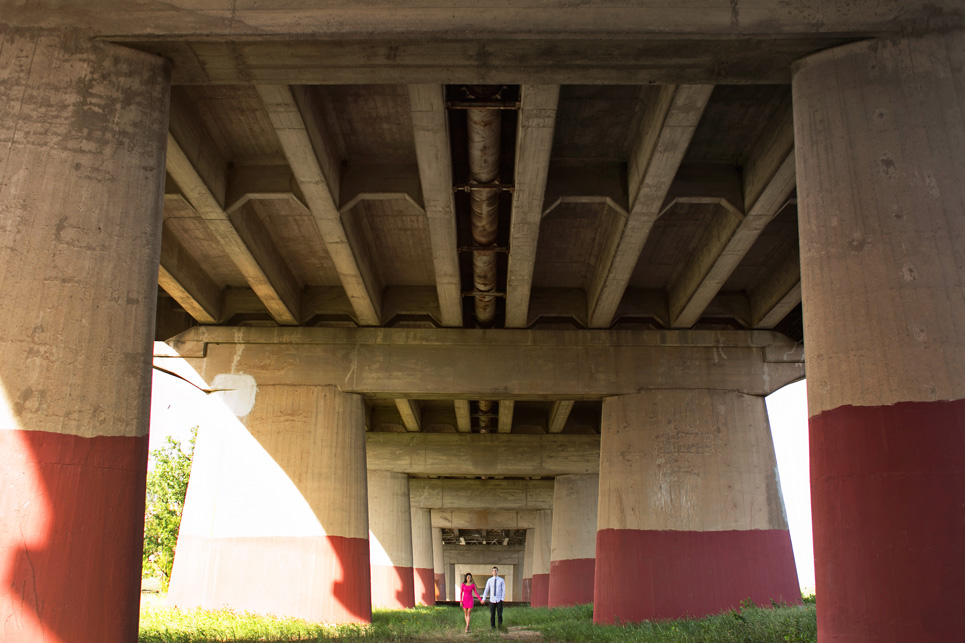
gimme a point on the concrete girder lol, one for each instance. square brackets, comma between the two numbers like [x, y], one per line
[312, 160]
[481, 494]
[768, 182]
[202, 180]
[182, 277]
[667, 126]
[534, 141]
[559, 414]
[490, 454]
[472, 364]
[506, 416]
[411, 412]
[482, 519]
[431, 136]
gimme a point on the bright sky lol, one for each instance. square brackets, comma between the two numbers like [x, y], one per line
[177, 406]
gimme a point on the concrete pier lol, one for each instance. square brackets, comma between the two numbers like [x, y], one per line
[527, 584]
[390, 540]
[573, 554]
[423, 576]
[438, 566]
[82, 143]
[276, 519]
[542, 558]
[691, 520]
[880, 157]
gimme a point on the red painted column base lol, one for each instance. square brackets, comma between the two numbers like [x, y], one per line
[540, 590]
[317, 578]
[571, 582]
[424, 589]
[440, 587]
[648, 575]
[888, 497]
[392, 587]
[71, 533]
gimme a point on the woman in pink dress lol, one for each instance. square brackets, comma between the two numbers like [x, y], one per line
[467, 589]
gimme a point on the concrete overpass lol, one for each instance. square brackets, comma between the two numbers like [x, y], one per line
[439, 258]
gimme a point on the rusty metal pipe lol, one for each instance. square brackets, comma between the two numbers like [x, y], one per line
[484, 135]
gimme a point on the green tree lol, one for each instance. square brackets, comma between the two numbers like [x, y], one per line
[167, 485]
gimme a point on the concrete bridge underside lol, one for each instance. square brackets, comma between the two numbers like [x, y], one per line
[515, 277]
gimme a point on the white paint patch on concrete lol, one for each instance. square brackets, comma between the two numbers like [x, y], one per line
[236, 391]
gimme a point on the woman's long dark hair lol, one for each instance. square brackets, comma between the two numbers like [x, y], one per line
[468, 575]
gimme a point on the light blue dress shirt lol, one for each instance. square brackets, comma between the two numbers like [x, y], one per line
[495, 589]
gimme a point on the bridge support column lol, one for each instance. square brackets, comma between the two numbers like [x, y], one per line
[574, 539]
[275, 519]
[83, 128]
[438, 564]
[390, 540]
[528, 548]
[542, 556]
[880, 142]
[691, 520]
[422, 562]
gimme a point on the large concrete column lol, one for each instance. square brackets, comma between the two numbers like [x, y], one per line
[542, 555]
[880, 140]
[275, 520]
[528, 549]
[438, 564]
[691, 520]
[422, 562]
[573, 554]
[82, 142]
[390, 540]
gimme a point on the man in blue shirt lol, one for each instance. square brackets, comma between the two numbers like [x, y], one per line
[496, 590]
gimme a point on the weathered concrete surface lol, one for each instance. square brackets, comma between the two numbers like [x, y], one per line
[426, 364]
[691, 519]
[459, 454]
[423, 588]
[482, 494]
[276, 518]
[573, 553]
[438, 566]
[390, 540]
[82, 133]
[881, 155]
[527, 575]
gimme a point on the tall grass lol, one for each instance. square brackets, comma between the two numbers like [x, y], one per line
[747, 624]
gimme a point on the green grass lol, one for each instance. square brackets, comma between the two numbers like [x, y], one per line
[745, 625]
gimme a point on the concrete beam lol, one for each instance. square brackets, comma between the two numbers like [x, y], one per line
[669, 121]
[474, 364]
[490, 454]
[506, 416]
[182, 277]
[779, 293]
[559, 414]
[431, 135]
[465, 519]
[580, 182]
[411, 412]
[240, 234]
[481, 494]
[482, 555]
[313, 162]
[768, 181]
[463, 417]
[262, 183]
[379, 182]
[534, 142]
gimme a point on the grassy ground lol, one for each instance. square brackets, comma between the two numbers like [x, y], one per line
[160, 624]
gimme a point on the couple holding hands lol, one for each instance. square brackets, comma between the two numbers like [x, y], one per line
[495, 590]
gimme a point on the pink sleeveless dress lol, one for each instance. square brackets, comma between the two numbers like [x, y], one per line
[467, 592]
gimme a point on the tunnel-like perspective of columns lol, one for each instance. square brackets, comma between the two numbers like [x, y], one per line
[82, 134]
[881, 156]
[573, 551]
[691, 519]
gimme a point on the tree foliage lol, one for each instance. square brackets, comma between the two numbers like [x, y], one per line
[167, 485]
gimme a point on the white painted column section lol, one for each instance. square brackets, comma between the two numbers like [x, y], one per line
[423, 590]
[438, 565]
[573, 557]
[542, 555]
[275, 519]
[390, 540]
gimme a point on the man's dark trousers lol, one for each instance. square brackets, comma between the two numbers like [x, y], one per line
[495, 608]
